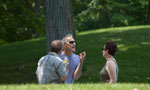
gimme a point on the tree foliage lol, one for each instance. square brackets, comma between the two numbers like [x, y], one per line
[25, 19]
[112, 13]
[18, 21]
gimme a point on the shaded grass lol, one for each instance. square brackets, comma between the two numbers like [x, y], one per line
[18, 61]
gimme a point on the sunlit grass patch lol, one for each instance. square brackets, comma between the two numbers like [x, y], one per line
[114, 29]
[87, 86]
[145, 43]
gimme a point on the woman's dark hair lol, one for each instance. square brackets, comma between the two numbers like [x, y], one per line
[56, 46]
[111, 47]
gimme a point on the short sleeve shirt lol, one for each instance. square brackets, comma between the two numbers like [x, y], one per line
[50, 69]
[73, 61]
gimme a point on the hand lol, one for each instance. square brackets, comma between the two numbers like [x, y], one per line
[82, 56]
[37, 78]
[67, 68]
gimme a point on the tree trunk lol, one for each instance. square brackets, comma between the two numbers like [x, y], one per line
[148, 17]
[37, 7]
[59, 20]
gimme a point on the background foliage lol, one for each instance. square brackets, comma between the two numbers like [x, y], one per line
[112, 13]
[19, 21]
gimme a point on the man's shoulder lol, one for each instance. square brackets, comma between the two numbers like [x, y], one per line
[42, 59]
[46, 57]
[62, 56]
[74, 55]
[49, 57]
[55, 58]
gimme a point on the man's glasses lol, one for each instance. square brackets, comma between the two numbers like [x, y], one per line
[71, 42]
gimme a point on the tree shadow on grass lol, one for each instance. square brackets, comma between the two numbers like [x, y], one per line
[132, 56]
[19, 61]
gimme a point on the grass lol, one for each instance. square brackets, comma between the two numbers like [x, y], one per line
[91, 86]
[132, 56]
[18, 61]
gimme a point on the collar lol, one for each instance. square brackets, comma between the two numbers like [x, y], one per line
[52, 53]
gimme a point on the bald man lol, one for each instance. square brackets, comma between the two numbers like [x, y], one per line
[51, 68]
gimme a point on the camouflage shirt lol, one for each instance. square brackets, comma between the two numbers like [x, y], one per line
[50, 69]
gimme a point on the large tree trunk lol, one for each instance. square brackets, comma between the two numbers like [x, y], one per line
[148, 17]
[59, 20]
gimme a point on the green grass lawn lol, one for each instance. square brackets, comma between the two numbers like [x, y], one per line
[133, 54]
[89, 86]
[18, 61]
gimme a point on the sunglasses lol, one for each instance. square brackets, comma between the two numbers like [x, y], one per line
[71, 42]
[103, 48]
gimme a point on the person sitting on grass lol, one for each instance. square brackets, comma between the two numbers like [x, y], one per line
[51, 68]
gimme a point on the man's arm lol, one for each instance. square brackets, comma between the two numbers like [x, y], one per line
[37, 70]
[63, 78]
[42, 68]
[62, 71]
[78, 70]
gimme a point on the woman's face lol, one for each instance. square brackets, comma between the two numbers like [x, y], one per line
[105, 52]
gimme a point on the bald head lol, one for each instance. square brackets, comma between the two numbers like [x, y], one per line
[56, 46]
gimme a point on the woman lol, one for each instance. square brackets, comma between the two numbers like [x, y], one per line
[109, 73]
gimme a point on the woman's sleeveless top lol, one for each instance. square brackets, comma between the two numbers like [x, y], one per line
[104, 77]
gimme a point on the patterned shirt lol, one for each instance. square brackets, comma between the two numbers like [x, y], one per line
[50, 69]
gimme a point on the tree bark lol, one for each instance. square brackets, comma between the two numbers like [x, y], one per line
[148, 17]
[59, 20]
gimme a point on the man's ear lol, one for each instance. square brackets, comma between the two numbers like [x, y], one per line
[65, 44]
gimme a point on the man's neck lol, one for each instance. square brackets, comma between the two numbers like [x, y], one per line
[58, 53]
[67, 53]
